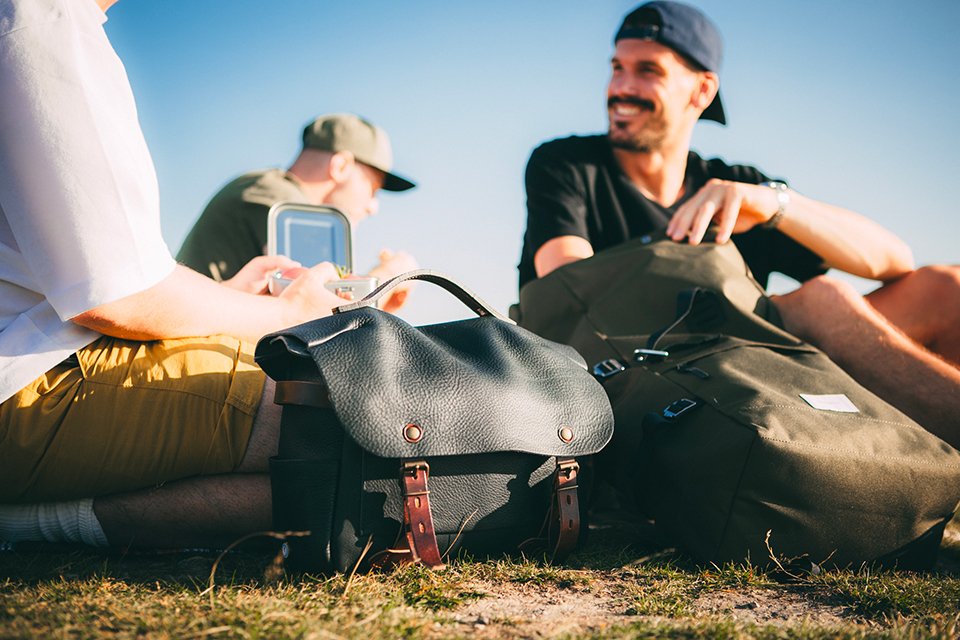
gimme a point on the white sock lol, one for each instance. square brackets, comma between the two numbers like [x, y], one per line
[72, 521]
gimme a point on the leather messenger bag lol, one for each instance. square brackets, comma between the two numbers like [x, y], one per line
[406, 444]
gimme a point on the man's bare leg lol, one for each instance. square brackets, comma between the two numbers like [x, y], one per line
[925, 305]
[834, 317]
[205, 511]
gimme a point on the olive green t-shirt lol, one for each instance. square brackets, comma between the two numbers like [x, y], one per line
[232, 230]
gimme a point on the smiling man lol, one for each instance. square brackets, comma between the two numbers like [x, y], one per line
[586, 194]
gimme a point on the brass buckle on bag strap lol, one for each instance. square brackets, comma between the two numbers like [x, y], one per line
[417, 517]
[565, 525]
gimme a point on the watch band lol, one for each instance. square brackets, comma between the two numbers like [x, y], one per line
[783, 199]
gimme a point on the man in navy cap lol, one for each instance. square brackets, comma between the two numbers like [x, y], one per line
[589, 193]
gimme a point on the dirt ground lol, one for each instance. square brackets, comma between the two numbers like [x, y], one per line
[621, 591]
[544, 610]
[536, 611]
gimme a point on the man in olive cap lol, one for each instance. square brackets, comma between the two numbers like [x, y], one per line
[585, 194]
[344, 161]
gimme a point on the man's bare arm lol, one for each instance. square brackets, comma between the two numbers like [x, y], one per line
[559, 251]
[187, 304]
[845, 240]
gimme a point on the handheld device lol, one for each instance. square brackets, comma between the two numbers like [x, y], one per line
[310, 234]
[353, 288]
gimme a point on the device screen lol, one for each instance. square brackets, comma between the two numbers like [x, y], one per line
[310, 234]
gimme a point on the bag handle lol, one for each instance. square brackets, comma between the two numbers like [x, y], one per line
[462, 294]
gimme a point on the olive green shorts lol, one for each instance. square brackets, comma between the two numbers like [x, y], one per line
[126, 415]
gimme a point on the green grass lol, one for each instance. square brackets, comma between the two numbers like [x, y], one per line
[613, 589]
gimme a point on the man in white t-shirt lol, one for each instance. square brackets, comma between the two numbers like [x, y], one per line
[103, 390]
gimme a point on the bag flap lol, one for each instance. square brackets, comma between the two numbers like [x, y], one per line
[472, 386]
[631, 289]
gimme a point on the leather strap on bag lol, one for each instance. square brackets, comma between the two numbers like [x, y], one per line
[417, 541]
[417, 518]
[564, 529]
[299, 392]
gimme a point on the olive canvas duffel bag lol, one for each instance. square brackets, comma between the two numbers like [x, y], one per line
[737, 438]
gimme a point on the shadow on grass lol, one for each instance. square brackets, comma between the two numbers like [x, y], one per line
[31, 564]
[615, 541]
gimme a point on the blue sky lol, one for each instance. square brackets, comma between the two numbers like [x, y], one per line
[854, 103]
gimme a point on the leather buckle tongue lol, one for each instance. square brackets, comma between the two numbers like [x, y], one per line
[565, 527]
[417, 518]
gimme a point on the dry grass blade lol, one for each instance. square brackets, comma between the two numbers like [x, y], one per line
[814, 568]
[463, 526]
[356, 566]
[278, 535]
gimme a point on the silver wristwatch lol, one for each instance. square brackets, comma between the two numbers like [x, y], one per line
[783, 199]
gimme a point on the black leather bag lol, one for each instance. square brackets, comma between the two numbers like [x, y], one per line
[402, 443]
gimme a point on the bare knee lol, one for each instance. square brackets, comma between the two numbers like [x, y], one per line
[925, 305]
[820, 308]
[819, 295]
[940, 282]
[824, 290]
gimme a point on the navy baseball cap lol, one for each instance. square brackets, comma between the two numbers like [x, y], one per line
[685, 30]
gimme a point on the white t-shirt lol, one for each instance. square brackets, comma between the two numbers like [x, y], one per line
[79, 205]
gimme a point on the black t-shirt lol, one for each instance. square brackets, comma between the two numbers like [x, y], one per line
[575, 187]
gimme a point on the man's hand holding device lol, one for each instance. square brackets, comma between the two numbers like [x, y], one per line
[310, 234]
[256, 276]
[348, 288]
[308, 293]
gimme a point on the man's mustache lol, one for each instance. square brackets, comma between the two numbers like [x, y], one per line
[639, 102]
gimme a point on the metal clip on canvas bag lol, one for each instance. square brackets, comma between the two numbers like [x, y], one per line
[405, 444]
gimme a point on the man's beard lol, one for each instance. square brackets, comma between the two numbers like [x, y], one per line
[649, 138]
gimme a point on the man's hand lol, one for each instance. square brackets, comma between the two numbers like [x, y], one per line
[393, 264]
[308, 297]
[734, 206]
[255, 275]
[844, 239]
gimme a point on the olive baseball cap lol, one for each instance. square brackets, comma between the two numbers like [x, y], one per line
[367, 142]
[685, 30]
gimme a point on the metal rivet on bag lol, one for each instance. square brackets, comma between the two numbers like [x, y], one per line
[566, 434]
[412, 433]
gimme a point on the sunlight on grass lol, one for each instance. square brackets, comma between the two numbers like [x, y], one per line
[615, 590]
